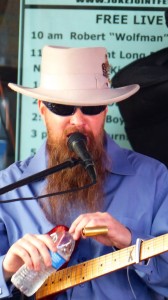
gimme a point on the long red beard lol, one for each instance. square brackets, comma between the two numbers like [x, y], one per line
[63, 209]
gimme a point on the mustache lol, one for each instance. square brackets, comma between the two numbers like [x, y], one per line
[73, 129]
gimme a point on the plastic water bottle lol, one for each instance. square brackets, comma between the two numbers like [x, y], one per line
[29, 281]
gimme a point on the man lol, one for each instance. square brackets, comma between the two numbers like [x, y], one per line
[130, 197]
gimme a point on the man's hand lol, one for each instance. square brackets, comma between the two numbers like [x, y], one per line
[118, 235]
[29, 250]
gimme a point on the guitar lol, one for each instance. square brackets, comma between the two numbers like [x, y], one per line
[77, 274]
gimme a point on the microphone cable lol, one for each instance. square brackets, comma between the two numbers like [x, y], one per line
[49, 195]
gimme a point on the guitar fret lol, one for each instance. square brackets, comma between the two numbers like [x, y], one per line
[79, 274]
[84, 276]
[70, 277]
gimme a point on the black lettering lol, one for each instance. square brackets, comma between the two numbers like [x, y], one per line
[34, 133]
[37, 35]
[108, 119]
[33, 151]
[36, 52]
[43, 135]
[36, 68]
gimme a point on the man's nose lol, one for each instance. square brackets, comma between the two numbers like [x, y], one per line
[78, 118]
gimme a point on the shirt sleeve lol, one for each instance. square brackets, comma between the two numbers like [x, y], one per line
[154, 272]
[5, 289]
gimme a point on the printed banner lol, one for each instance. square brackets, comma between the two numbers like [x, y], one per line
[129, 29]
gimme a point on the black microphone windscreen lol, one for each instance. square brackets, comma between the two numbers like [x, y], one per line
[77, 143]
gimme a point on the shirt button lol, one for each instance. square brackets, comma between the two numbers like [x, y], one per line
[83, 258]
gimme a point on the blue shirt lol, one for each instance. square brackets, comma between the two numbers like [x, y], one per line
[135, 193]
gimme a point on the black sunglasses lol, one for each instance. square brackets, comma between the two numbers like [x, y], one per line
[68, 110]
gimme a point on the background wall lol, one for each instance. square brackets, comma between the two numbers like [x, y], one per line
[9, 36]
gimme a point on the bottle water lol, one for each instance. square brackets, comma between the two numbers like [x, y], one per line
[29, 281]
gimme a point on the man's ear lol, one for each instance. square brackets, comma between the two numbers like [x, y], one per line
[41, 108]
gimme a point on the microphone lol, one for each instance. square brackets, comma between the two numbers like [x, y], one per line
[77, 143]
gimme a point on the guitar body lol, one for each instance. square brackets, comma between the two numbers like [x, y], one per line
[59, 228]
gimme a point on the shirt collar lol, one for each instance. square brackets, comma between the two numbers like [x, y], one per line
[35, 164]
[119, 158]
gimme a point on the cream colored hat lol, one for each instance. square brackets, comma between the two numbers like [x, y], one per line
[75, 76]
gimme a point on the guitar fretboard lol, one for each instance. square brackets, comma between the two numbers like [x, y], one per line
[74, 275]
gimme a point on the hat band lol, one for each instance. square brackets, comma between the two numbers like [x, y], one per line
[74, 82]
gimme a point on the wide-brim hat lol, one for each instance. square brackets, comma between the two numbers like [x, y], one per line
[76, 76]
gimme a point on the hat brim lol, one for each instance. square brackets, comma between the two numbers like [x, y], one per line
[78, 97]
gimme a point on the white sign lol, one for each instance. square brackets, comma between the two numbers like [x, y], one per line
[129, 29]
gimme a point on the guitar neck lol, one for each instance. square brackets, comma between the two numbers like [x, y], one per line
[74, 275]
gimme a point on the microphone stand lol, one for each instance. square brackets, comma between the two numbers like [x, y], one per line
[37, 176]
